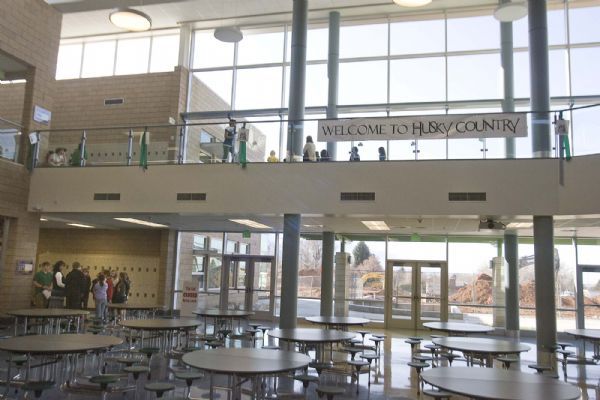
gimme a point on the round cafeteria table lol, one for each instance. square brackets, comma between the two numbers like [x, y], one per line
[489, 348]
[591, 335]
[245, 362]
[341, 323]
[51, 345]
[160, 324]
[499, 384]
[132, 308]
[222, 317]
[319, 337]
[458, 328]
[52, 314]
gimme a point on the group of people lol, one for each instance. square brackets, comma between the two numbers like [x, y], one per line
[59, 158]
[53, 289]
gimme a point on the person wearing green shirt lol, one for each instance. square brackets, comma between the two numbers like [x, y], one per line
[42, 280]
[75, 160]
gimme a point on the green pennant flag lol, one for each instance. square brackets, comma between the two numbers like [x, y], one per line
[144, 152]
[565, 147]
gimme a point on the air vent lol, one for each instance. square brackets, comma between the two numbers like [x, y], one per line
[357, 196]
[191, 196]
[113, 102]
[107, 196]
[467, 196]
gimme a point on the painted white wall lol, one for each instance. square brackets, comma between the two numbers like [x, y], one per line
[514, 187]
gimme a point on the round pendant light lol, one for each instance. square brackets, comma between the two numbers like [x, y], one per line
[412, 3]
[130, 19]
[229, 34]
[510, 12]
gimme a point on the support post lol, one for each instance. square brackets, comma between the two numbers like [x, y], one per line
[540, 81]
[130, 147]
[82, 149]
[511, 254]
[506, 57]
[289, 271]
[545, 307]
[327, 274]
[333, 67]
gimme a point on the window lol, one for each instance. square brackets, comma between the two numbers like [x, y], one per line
[585, 126]
[165, 53]
[259, 47]
[417, 80]
[214, 273]
[473, 33]
[199, 242]
[363, 82]
[363, 40]
[69, 61]
[132, 56]
[474, 77]
[210, 52]
[216, 243]
[583, 24]
[258, 88]
[408, 37]
[204, 87]
[316, 85]
[98, 59]
[584, 71]
[231, 247]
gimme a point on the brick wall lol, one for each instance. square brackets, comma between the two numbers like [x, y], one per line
[12, 97]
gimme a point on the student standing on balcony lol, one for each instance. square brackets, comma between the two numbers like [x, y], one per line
[354, 154]
[309, 150]
[382, 156]
[229, 142]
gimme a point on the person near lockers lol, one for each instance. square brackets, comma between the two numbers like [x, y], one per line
[57, 297]
[121, 289]
[87, 286]
[100, 290]
[74, 286]
[42, 281]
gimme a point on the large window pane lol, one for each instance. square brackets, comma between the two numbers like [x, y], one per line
[584, 71]
[165, 53]
[317, 41]
[556, 29]
[421, 248]
[316, 85]
[473, 33]
[309, 271]
[585, 126]
[363, 40]
[363, 82]
[417, 80]
[258, 88]
[69, 61]
[583, 24]
[132, 56]
[219, 83]
[409, 38]
[98, 59]
[474, 77]
[210, 52]
[260, 47]
[521, 74]
[557, 68]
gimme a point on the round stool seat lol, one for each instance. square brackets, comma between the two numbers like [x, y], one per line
[506, 361]
[565, 353]
[415, 338]
[358, 363]
[436, 336]
[271, 347]
[540, 368]
[252, 332]
[37, 387]
[214, 343]
[320, 366]
[412, 342]
[352, 351]
[19, 360]
[418, 365]
[253, 325]
[369, 356]
[356, 341]
[422, 358]
[306, 379]
[376, 339]
[148, 351]
[225, 332]
[128, 361]
[159, 387]
[329, 391]
[188, 376]
[105, 379]
[380, 335]
[189, 349]
[432, 346]
[564, 345]
[437, 394]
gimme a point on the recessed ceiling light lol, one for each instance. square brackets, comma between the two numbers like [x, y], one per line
[376, 225]
[142, 222]
[81, 225]
[43, 219]
[312, 226]
[130, 19]
[250, 223]
[510, 12]
[228, 34]
[412, 3]
[517, 225]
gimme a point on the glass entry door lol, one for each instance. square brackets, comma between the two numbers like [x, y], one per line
[247, 284]
[588, 290]
[418, 293]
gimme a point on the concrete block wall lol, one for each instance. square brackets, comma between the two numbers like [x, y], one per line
[12, 97]
[139, 253]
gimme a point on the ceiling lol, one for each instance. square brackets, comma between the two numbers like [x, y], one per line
[565, 226]
[90, 17]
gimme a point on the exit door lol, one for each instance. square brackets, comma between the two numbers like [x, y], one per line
[417, 293]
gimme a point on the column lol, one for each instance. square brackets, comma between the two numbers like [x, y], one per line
[289, 271]
[333, 67]
[545, 309]
[511, 254]
[538, 67]
[327, 274]
[506, 57]
[185, 45]
[297, 80]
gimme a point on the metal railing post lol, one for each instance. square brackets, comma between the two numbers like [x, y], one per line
[181, 145]
[130, 147]
[36, 152]
[82, 149]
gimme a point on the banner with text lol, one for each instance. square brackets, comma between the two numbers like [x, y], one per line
[424, 127]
